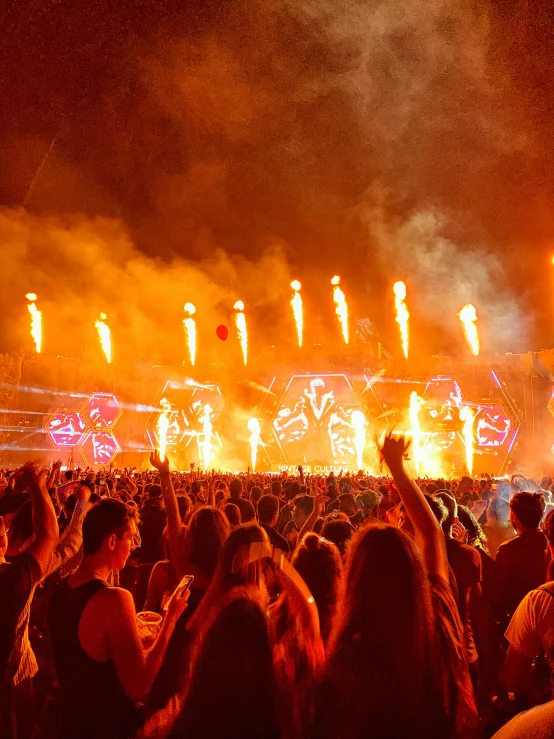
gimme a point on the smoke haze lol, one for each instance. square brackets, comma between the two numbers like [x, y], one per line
[153, 154]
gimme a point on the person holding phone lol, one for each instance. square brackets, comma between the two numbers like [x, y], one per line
[102, 667]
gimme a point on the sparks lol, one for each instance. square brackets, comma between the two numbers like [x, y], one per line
[206, 442]
[359, 425]
[402, 314]
[341, 307]
[296, 303]
[240, 322]
[417, 436]
[253, 426]
[468, 417]
[105, 336]
[36, 321]
[468, 317]
[190, 330]
[162, 426]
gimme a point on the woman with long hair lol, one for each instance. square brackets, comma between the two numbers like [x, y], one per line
[395, 660]
[232, 693]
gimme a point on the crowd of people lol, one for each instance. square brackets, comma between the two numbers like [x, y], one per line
[157, 604]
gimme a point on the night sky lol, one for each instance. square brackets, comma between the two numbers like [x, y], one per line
[376, 140]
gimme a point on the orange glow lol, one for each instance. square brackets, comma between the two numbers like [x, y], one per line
[162, 425]
[297, 310]
[467, 416]
[417, 436]
[402, 315]
[341, 307]
[190, 331]
[240, 322]
[359, 425]
[36, 321]
[105, 336]
[206, 447]
[253, 426]
[468, 317]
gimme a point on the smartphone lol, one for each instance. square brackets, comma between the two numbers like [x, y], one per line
[117, 477]
[184, 585]
[101, 482]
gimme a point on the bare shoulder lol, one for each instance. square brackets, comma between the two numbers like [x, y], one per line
[109, 602]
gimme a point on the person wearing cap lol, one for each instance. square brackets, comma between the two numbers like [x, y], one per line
[520, 564]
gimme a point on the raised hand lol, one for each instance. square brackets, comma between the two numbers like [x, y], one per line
[155, 461]
[393, 450]
[82, 493]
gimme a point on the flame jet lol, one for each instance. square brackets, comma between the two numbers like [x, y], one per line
[105, 336]
[36, 321]
[341, 307]
[468, 417]
[297, 310]
[468, 317]
[190, 331]
[402, 314]
[253, 426]
[240, 322]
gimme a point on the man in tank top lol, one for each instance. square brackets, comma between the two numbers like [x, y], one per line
[102, 667]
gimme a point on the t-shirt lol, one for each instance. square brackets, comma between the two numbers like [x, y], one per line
[538, 723]
[465, 562]
[532, 626]
[17, 579]
[244, 506]
[520, 567]
[275, 539]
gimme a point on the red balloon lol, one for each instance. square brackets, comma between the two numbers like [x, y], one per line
[222, 332]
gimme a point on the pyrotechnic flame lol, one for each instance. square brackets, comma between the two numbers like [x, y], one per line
[253, 426]
[36, 321]
[162, 425]
[417, 437]
[207, 428]
[359, 425]
[296, 303]
[468, 417]
[402, 314]
[105, 336]
[240, 321]
[190, 331]
[468, 317]
[341, 307]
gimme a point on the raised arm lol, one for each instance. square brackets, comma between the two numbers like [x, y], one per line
[319, 499]
[136, 667]
[45, 523]
[428, 533]
[174, 522]
[71, 540]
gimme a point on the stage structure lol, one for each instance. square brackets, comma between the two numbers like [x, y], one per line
[324, 412]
